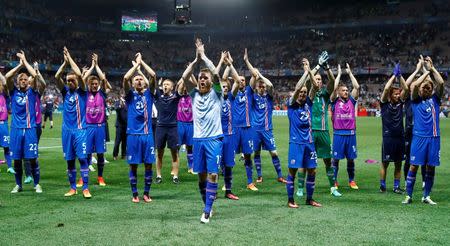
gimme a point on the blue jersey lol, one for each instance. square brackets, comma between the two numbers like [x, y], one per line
[139, 112]
[227, 118]
[242, 104]
[300, 122]
[392, 119]
[23, 106]
[74, 108]
[426, 116]
[167, 107]
[261, 113]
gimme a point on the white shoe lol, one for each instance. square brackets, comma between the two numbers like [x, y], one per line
[106, 161]
[183, 148]
[408, 200]
[91, 168]
[16, 189]
[335, 192]
[205, 218]
[38, 188]
[428, 200]
[93, 160]
[299, 192]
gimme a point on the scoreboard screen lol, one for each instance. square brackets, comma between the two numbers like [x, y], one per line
[140, 23]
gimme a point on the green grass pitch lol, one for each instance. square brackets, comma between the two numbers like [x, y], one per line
[362, 217]
[131, 27]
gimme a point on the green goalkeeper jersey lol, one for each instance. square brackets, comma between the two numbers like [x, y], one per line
[320, 110]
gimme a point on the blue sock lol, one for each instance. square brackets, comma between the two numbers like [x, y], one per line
[132, 174]
[228, 178]
[277, 166]
[290, 187]
[7, 157]
[310, 186]
[100, 164]
[202, 189]
[211, 192]
[190, 160]
[36, 171]
[19, 172]
[84, 170]
[351, 169]
[148, 178]
[72, 174]
[410, 181]
[396, 183]
[335, 165]
[429, 181]
[249, 171]
[26, 163]
[257, 159]
[383, 183]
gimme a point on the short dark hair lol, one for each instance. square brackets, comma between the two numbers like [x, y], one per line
[205, 70]
[93, 77]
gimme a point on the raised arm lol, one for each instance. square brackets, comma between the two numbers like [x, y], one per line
[438, 80]
[314, 85]
[226, 73]
[301, 82]
[127, 77]
[89, 71]
[106, 86]
[385, 94]
[151, 72]
[208, 63]
[9, 76]
[355, 85]
[75, 69]
[416, 84]
[249, 65]
[268, 83]
[58, 76]
[333, 95]
[411, 77]
[331, 79]
[3, 87]
[41, 85]
[187, 74]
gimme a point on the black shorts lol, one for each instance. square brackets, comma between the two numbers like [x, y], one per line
[393, 149]
[166, 134]
[48, 115]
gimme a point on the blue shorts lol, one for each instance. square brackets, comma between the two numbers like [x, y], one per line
[207, 155]
[228, 151]
[426, 151]
[140, 149]
[243, 140]
[24, 144]
[302, 155]
[74, 143]
[393, 149]
[4, 134]
[96, 138]
[344, 146]
[185, 133]
[264, 139]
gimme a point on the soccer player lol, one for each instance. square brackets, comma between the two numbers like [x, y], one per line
[74, 123]
[185, 125]
[166, 102]
[240, 109]
[302, 153]
[261, 115]
[140, 147]
[48, 110]
[228, 148]
[98, 88]
[344, 125]
[206, 108]
[319, 122]
[24, 143]
[393, 146]
[425, 146]
[40, 91]
[409, 122]
[4, 131]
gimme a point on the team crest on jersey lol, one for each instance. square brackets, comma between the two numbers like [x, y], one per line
[293, 161]
[91, 98]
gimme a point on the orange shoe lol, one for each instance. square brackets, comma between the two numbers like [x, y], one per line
[252, 187]
[87, 194]
[313, 203]
[135, 199]
[282, 180]
[147, 198]
[101, 181]
[80, 183]
[353, 185]
[231, 196]
[259, 180]
[72, 192]
[292, 205]
[336, 184]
